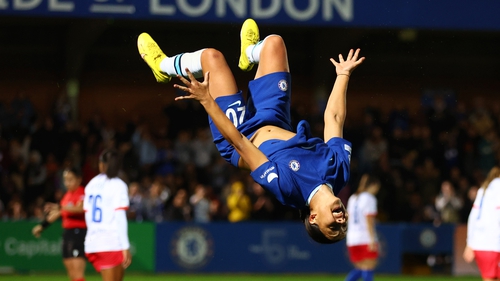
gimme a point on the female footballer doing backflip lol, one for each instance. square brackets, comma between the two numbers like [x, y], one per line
[302, 171]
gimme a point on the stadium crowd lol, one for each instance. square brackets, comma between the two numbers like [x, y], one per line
[429, 163]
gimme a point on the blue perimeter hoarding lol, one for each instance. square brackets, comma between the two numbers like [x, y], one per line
[425, 14]
[259, 247]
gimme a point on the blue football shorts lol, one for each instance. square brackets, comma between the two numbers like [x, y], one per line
[268, 103]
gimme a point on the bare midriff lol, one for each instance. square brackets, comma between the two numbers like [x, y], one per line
[270, 132]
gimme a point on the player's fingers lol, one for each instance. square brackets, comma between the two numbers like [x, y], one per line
[182, 88]
[184, 97]
[191, 76]
[126, 263]
[181, 98]
[184, 80]
[349, 55]
[356, 54]
[360, 61]
[334, 61]
[341, 58]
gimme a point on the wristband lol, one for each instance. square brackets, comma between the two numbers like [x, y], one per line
[45, 224]
[344, 74]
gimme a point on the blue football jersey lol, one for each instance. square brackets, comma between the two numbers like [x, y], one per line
[299, 165]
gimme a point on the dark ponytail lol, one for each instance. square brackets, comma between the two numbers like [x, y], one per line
[112, 161]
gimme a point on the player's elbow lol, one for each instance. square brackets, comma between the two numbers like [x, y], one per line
[335, 118]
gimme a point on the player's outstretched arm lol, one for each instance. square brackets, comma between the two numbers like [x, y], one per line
[335, 111]
[200, 92]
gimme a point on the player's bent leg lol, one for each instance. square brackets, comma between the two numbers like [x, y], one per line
[222, 82]
[273, 56]
[153, 56]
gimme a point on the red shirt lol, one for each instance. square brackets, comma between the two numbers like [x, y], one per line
[72, 198]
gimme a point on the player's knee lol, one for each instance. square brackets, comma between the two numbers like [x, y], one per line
[274, 43]
[211, 55]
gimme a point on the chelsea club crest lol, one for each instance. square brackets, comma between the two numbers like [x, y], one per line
[294, 165]
[192, 247]
[283, 85]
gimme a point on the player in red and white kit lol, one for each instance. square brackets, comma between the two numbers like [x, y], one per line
[73, 223]
[361, 240]
[106, 201]
[483, 228]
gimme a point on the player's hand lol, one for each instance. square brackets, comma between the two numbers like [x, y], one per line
[194, 89]
[53, 215]
[373, 246]
[127, 258]
[37, 230]
[468, 254]
[345, 67]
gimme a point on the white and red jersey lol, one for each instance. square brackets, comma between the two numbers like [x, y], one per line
[359, 206]
[483, 226]
[105, 203]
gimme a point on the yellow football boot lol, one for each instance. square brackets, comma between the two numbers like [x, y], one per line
[152, 55]
[249, 35]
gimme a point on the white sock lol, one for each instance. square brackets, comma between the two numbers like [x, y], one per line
[253, 51]
[177, 65]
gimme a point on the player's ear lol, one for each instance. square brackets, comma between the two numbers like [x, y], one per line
[312, 219]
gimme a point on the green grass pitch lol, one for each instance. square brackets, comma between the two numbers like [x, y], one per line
[238, 277]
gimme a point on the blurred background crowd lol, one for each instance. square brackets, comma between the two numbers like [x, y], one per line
[430, 163]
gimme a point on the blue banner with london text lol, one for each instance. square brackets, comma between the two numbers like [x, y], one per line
[424, 14]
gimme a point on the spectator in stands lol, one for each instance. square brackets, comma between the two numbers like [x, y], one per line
[44, 137]
[448, 204]
[136, 207]
[15, 210]
[35, 177]
[154, 203]
[201, 204]
[238, 203]
[204, 151]
[374, 146]
[468, 203]
[429, 179]
[179, 209]
[145, 147]
[263, 205]
[488, 147]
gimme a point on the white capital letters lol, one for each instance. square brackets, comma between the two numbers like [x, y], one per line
[26, 4]
[191, 11]
[55, 5]
[343, 7]
[4, 4]
[237, 6]
[300, 15]
[262, 13]
[155, 8]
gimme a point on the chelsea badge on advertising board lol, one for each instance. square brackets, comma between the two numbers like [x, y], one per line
[192, 247]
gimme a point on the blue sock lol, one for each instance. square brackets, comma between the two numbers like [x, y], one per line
[367, 275]
[354, 275]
